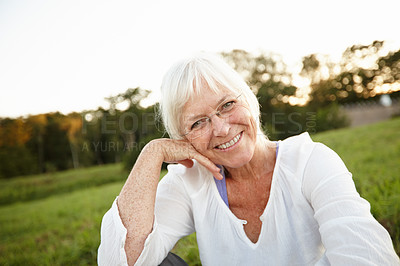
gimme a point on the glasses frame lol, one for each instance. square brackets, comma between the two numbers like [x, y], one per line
[217, 112]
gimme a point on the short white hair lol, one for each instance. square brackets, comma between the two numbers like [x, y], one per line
[186, 78]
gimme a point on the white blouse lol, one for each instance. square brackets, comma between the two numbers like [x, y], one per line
[314, 216]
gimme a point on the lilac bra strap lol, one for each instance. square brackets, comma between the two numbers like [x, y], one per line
[221, 184]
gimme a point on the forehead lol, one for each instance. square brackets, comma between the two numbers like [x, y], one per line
[204, 101]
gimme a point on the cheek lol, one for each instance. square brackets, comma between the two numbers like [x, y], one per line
[253, 127]
[201, 144]
[245, 118]
[250, 119]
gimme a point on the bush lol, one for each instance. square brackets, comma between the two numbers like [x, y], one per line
[331, 117]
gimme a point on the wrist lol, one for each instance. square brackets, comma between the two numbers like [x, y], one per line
[154, 151]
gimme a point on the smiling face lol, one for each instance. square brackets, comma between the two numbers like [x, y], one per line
[227, 140]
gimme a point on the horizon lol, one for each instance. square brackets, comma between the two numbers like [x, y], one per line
[68, 57]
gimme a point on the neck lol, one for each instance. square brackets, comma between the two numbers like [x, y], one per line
[261, 164]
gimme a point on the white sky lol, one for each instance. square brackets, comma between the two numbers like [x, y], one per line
[69, 55]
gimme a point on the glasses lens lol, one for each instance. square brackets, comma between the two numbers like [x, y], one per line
[202, 126]
[227, 109]
[196, 133]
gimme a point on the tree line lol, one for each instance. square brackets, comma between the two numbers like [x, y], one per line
[54, 141]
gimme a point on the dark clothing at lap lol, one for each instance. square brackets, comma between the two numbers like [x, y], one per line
[173, 260]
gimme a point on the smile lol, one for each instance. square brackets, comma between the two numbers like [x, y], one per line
[230, 143]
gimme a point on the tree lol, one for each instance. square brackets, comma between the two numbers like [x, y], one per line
[38, 124]
[15, 157]
[360, 75]
[137, 125]
[56, 144]
[72, 124]
[270, 80]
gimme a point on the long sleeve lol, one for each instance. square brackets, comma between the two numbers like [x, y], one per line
[113, 234]
[173, 220]
[349, 232]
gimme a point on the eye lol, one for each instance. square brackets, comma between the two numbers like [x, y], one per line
[199, 123]
[227, 106]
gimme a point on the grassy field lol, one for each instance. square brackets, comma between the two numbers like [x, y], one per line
[372, 154]
[33, 187]
[55, 219]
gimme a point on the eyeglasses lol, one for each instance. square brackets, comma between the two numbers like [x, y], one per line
[203, 125]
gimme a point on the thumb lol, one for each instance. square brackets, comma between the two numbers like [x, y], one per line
[187, 162]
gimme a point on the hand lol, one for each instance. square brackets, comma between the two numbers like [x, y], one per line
[183, 152]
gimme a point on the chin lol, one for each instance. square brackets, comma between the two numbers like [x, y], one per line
[236, 161]
[237, 164]
[238, 157]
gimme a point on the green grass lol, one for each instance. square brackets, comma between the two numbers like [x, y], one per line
[59, 230]
[55, 219]
[41, 186]
[372, 154]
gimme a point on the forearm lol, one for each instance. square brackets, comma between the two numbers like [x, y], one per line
[137, 198]
[348, 231]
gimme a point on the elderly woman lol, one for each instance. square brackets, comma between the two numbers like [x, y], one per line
[251, 201]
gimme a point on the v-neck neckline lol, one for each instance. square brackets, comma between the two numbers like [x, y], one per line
[240, 222]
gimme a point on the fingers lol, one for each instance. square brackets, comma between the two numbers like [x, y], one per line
[206, 163]
[182, 151]
[209, 165]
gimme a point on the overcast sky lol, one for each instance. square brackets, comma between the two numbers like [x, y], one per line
[69, 55]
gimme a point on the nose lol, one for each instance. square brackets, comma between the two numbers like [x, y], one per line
[220, 127]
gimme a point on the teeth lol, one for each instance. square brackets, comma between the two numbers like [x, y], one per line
[229, 143]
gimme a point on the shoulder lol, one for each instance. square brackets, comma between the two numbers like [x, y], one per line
[312, 164]
[295, 151]
[303, 148]
[301, 154]
[306, 164]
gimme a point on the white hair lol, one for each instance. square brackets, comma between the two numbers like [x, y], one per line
[186, 78]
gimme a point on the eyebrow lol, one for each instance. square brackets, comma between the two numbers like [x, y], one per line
[195, 117]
